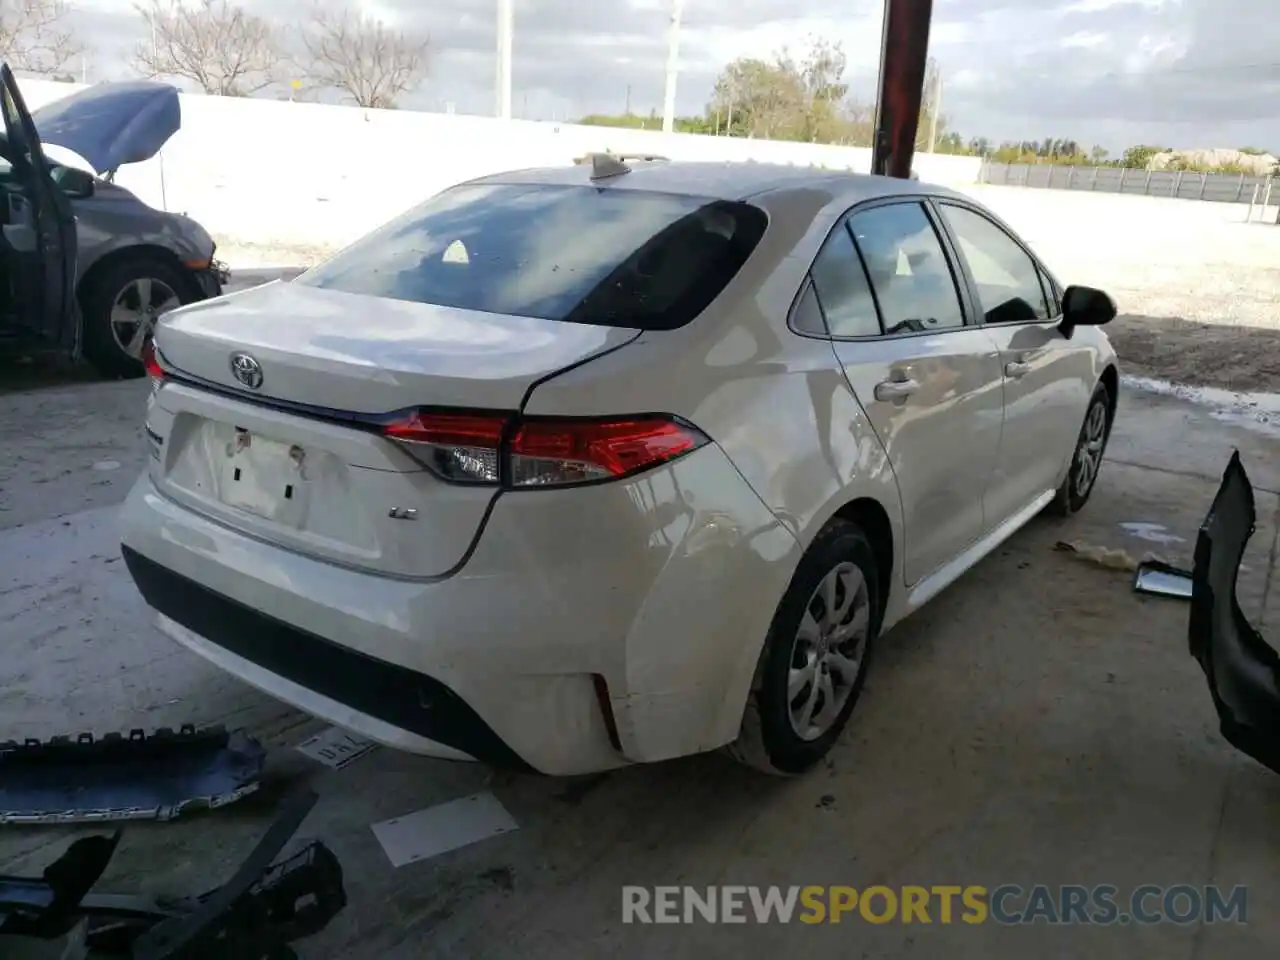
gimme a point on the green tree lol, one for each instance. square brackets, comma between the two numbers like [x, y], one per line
[1139, 157]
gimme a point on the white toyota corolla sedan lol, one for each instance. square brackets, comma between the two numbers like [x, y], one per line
[581, 467]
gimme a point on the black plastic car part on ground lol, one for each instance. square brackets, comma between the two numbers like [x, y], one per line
[138, 777]
[1243, 670]
[253, 916]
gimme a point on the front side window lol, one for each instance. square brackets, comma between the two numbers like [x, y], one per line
[1052, 293]
[904, 258]
[610, 257]
[1008, 280]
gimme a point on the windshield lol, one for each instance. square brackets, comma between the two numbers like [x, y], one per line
[594, 255]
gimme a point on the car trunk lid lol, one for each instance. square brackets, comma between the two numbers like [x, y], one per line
[302, 460]
[357, 354]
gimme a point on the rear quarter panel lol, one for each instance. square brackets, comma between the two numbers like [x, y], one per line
[775, 402]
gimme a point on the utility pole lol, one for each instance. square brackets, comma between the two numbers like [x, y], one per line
[935, 109]
[502, 77]
[673, 67]
[627, 111]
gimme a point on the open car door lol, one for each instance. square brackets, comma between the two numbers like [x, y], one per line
[39, 232]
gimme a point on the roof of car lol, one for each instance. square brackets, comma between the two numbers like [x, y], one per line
[728, 180]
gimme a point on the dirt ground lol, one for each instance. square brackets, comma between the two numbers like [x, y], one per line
[1237, 358]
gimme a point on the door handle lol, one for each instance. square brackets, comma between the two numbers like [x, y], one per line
[895, 390]
[1017, 369]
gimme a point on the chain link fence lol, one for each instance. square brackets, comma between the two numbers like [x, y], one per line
[1181, 184]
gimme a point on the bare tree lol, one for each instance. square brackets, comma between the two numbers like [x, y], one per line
[929, 105]
[362, 58]
[34, 36]
[215, 43]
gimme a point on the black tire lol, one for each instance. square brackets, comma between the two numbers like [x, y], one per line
[1071, 497]
[98, 296]
[767, 740]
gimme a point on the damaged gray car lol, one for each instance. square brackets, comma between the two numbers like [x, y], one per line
[85, 266]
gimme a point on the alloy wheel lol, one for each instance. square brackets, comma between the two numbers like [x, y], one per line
[827, 653]
[1093, 439]
[136, 308]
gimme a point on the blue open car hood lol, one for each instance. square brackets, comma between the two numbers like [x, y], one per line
[111, 124]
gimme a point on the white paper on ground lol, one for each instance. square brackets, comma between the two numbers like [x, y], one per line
[428, 833]
[336, 748]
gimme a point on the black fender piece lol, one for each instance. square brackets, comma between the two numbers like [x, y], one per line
[1243, 670]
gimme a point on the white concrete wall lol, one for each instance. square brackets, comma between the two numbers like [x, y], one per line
[308, 174]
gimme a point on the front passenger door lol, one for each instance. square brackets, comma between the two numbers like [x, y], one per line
[928, 380]
[1045, 374]
[40, 235]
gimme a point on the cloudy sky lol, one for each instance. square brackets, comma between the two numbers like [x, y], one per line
[1186, 73]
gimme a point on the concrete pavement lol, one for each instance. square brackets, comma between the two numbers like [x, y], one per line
[1039, 723]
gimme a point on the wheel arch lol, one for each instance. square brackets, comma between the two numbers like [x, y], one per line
[109, 261]
[1110, 379]
[873, 519]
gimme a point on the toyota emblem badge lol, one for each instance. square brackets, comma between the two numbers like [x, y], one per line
[247, 370]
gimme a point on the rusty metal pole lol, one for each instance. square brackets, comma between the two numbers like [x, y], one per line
[904, 55]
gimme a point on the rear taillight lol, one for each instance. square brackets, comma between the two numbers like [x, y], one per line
[151, 362]
[527, 452]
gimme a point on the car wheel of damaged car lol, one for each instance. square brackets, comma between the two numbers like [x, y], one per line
[1086, 461]
[815, 657]
[121, 305]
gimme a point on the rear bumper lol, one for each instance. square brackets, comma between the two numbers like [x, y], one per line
[591, 628]
[401, 698]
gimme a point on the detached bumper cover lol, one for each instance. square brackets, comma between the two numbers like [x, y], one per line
[116, 778]
[1243, 670]
[394, 694]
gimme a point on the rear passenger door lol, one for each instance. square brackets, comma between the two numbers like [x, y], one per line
[1046, 376]
[928, 379]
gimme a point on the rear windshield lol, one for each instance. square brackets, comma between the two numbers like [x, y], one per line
[620, 258]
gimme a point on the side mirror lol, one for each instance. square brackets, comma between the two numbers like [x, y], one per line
[1085, 307]
[76, 183]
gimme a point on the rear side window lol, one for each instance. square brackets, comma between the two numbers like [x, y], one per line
[842, 288]
[908, 268]
[807, 315]
[610, 257]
